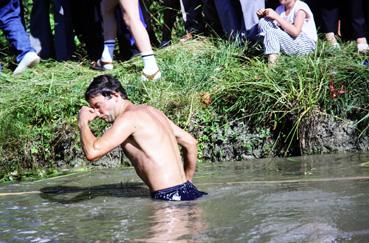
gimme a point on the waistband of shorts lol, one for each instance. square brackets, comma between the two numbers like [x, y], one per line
[172, 188]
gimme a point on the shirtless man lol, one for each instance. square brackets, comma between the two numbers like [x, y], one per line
[147, 136]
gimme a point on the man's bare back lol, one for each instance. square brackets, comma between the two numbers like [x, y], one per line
[153, 148]
[149, 139]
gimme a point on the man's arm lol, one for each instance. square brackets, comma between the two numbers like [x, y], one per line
[292, 29]
[93, 147]
[189, 144]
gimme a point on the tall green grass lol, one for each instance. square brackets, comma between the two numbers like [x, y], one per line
[290, 91]
[38, 109]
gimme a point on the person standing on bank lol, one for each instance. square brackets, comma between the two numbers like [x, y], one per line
[11, 24]
[148, 138]
[131, 17]
[290, 29]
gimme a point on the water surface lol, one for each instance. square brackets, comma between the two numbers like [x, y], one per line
[303, 199]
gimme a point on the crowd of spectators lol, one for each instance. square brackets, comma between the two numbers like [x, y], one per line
[282, 26]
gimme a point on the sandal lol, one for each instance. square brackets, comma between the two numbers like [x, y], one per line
[101, 65]
[151, 77]
[186, 37]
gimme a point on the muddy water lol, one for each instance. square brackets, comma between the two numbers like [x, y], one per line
[302, 199]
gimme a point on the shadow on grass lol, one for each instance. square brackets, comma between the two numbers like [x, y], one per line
[74, 194]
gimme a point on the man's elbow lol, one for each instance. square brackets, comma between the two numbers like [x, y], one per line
[193, 143]
[92, 157]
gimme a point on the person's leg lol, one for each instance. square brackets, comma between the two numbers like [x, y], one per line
[21, 6]
[265, 25]
[11, 24]
[358, 24]
[193, 16]
[87, 25]
[131, 17]
[147, 18]
[126, 43]
[109, 31]
[330, 15]
[41, 36]
[172, 8]
[108, 15]
[271, 42]
[230, 15]
[64, 37]
[251, 20]
[211, 18]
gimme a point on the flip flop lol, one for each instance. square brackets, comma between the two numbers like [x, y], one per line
[151, 77]
[101, 65]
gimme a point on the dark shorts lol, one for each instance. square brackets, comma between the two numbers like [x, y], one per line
[184, 192]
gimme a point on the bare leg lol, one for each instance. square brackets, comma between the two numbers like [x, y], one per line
[362, 45]
[109, 32]
[131, 17]
[108, 15]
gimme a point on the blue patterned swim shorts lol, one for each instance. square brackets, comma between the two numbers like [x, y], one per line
[184, 192]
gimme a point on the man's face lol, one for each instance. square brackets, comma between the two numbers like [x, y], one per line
[104, 106]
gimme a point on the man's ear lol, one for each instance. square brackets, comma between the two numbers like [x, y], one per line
[115, 95]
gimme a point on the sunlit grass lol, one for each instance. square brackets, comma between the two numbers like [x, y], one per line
[38, 109]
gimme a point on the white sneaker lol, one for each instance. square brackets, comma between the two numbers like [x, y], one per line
[363, 48]
[336, 46]
[29, 60]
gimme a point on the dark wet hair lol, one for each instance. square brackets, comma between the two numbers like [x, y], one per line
[105, 85]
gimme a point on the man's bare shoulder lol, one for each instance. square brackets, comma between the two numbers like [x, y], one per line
[139, 113]
[142, 110]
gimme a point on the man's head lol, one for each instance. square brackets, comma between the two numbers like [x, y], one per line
[103, 94]
[105, 85]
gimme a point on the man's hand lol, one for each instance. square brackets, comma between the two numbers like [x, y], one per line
[85, 115]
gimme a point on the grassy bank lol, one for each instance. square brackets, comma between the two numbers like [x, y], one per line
[38, 109]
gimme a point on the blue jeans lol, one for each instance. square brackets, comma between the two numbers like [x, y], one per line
[11, 24]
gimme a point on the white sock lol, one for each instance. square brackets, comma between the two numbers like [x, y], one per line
[108, 52]
[150, 65]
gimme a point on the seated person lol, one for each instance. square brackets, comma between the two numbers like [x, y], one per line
[290, 29]
[11, 24]
[147, 137]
